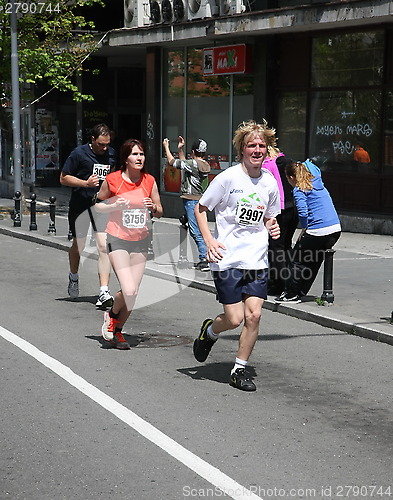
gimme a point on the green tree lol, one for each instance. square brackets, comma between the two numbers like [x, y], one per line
[54, 39]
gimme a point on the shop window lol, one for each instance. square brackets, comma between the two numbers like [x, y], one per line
[173, 113]
[350, 59]
[243, 98]
[173, 94]
[26, 157]
[5, 153]
[209, 106]
[294, 62]
[292, 124]
[388, 139]
[345, 130]
[46, 147]
[206, 103]
[208, 99]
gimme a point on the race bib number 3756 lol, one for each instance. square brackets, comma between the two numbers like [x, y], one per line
[134, 218]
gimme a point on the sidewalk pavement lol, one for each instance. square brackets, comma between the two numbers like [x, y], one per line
[362, 270]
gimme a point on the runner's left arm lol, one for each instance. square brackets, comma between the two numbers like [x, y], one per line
[153, 202]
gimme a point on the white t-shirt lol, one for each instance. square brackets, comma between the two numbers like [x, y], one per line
[240, 203]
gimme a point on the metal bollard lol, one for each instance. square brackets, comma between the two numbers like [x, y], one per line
[33, 212]
[17, 214]
[327, 294]
[183, 262]
[52, 214]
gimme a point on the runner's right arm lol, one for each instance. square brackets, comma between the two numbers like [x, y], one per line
[72, 181]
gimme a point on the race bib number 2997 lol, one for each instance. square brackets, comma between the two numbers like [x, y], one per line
[249, 214]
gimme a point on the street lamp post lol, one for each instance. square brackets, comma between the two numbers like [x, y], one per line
[15, 101]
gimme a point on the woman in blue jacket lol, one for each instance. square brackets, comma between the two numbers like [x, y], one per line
[320, 228]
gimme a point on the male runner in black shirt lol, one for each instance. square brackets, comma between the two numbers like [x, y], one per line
[84, 170]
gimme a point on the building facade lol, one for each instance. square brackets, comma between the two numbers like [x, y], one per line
[320, 73]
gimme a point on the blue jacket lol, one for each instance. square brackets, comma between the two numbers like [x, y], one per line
[315, 207]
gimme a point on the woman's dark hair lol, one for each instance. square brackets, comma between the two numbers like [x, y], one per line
[125, 151]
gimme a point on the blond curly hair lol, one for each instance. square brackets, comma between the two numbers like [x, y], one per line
[251, 129]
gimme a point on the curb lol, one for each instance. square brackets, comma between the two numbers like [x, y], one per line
[337, 324]
[343, 325]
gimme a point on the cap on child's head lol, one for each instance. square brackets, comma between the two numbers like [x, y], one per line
[200, 146]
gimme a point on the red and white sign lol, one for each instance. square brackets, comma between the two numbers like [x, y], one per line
[228, 60]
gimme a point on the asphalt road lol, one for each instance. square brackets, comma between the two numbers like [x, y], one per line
[81, 421]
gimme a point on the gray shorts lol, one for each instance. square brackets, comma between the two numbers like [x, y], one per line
[113, 243]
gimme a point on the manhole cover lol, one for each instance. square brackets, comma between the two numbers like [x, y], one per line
[142, 340]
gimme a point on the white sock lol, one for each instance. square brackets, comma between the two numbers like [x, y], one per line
[211, 334]
[74, 277]
[239, 363]
[104, 288]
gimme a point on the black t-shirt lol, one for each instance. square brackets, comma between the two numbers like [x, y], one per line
[82, 163]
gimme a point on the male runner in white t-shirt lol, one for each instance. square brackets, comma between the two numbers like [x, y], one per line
[245, 199]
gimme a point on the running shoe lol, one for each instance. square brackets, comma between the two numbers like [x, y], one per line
[105, 299]
[203, 265]
[203, 344]
[286, 298]
[119, 342]
[73, 288]
[108, 327]
[241, 380]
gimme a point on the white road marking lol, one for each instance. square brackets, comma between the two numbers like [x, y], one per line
[213, 475]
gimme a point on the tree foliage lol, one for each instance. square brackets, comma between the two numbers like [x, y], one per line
[54, 38]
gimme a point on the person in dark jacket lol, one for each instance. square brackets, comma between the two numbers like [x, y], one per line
[280, 249]
[320, 228]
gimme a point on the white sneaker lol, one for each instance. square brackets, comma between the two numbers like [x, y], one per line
[286, 298]
[73, 288]
[107, 329]
[105, 299]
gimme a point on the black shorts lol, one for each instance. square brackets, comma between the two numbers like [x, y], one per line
[79, 222]
[113, 243]
[233, 284]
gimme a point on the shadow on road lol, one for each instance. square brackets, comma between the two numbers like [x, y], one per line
[282, 336]
[217, 372]
[91, 299]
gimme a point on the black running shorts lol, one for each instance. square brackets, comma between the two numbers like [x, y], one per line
[233, 284]
[79, 222]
